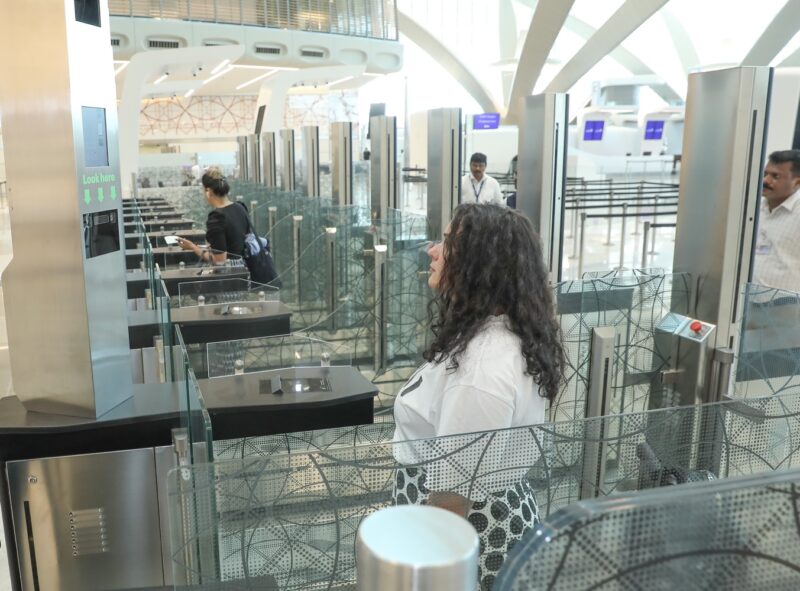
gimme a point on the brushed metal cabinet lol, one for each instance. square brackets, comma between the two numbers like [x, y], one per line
[87, 522]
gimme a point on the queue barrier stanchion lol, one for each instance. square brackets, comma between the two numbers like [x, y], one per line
[646, 233]
[622, 238]
[580, 251]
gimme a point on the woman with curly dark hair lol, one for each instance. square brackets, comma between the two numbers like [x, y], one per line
[495, 359]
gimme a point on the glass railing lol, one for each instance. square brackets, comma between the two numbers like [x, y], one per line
[292, 517]
[361, 18]
[768, 357]
[279, 352]
[739, 535]
[224, 291]
[635, 305]
[194, 415]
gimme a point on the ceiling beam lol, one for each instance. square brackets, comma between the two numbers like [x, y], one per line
[775, 37]
[546, 23]
[614, 31]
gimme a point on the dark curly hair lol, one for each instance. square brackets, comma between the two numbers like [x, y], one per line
[494, 265]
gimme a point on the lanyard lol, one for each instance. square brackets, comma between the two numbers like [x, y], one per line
[480, 188]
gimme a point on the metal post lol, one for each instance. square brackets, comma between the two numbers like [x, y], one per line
[610, 210]
[644, 244]
[272, 216]
[622, 238]
[330, 256]
[580, 252]
[379, 307]
[653, 227]
[639, 195]
[575, 216]
[296, 221]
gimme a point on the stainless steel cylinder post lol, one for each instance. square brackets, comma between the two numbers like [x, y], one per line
[571, 225]
[622, 237]
[580, 248]
[654, 227]
[297, 221]
[379, 306]
[330, 261]
[416, 548]
[610, 211]
[639, 195]
[253, 214]
[575, 216]
[645, 236]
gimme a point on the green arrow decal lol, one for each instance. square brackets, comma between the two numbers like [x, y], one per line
[113, 192]
[100, 196]
[87, 196]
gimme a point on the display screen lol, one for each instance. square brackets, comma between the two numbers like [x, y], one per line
[486, 121]
[654, 130]
[95, 137]
[593, 130]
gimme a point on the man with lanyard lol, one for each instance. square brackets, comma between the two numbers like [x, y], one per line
[477, 186]
[777, 258]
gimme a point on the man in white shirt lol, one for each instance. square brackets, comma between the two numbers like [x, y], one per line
[777, 257]
[479, 187]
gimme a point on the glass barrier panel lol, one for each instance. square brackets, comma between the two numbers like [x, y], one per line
[292, 517]
[224, 291]
[768, 356]
[738, 535]
[261, 354]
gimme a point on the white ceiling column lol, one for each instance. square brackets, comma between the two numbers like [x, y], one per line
[546, 23]
[447, 59]
[775, 37]
[615, 30]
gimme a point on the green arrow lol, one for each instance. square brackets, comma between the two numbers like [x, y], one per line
[87, 196]
[113, 192]
[100, 196]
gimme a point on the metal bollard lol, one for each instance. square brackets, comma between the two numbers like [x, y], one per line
[654, 227]
[416, 548]
[379, 307]
[622, 238]
[575, 216]
[645, 235]
[610, 211]
[296, 221]
[639, 194]
[580, 252]
[330, 255]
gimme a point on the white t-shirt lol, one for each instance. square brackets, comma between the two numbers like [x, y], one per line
[487, 190]
[488, 391]
[777, 258]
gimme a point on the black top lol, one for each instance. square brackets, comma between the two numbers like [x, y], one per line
[226, 228]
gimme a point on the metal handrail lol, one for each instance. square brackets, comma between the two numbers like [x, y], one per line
[375, 19]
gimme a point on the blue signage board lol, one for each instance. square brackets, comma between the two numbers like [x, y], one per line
[486, 121]
[654, 130]
[593, 130]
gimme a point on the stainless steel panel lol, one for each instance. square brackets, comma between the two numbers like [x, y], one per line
[137, 369]
[720, 189]
[379, 307]
[311, 159]
[87, 522]
[241, 157]
[598, 403]
[253, 158]
[287, 160]
[444, 167]
[542, 171]
[342, 163]
[66, 313]
[383, 166]
[269, 174]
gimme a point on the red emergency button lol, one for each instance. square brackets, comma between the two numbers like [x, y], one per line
[696, 326]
